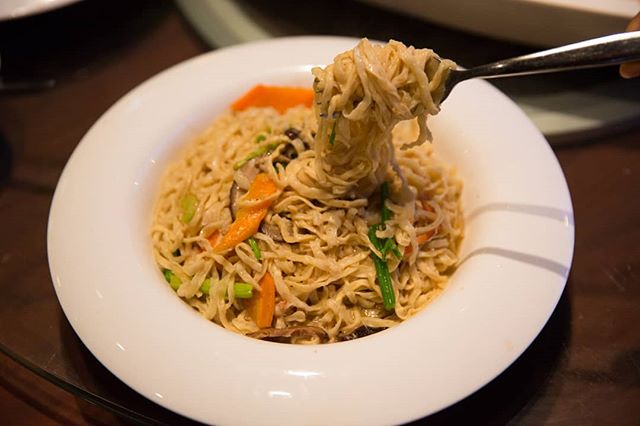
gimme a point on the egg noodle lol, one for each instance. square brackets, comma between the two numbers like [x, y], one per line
[331, 165]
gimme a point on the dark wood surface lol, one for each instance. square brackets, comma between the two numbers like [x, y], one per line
[584, 368]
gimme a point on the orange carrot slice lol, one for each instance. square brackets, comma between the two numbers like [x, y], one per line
[248, 219]
[214, 238]
[279, 97]
[262, 305]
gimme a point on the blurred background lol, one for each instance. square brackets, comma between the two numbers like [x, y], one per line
[563, 106]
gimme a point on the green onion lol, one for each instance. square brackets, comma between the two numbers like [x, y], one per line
[243, 290]
[332, 136]
[390, 245]
[261, 138]
[382, 271]
[384, 246]
[257, 153]
[205, 286]
[384, 281]
[171, 278]
[189, 205]
[374, 238]
[254, 247]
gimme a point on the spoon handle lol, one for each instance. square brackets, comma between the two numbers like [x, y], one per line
[608, 50]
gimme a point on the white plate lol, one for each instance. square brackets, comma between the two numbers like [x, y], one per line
[12, 9]
[517, 254]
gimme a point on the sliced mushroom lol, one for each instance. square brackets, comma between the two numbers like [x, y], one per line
[247, 173]
[278, 334]
[271, 231]
[360, 332]
[241, 181]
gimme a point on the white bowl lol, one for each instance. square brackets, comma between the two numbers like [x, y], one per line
[515, 259]
[12, 9]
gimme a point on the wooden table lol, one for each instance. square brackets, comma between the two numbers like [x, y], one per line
[584, 368]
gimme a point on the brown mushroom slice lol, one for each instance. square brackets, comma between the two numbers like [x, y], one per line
[288, 333]
[272, 231]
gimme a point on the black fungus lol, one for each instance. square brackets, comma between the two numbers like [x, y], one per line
[289, 152]
[360, 332]
[284, 335]
[292, 133]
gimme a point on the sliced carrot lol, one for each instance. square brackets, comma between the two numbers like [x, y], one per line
[263, 304]
[242, 228]
[248, 219]
[261, 187]
[279, 97]
[420, 239]
[214, 238]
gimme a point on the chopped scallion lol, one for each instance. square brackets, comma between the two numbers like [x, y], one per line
[189, 205]
[255, 154]
[261, 138]
[205, 286]
[255, 248]
[171, 278]
[243, 290]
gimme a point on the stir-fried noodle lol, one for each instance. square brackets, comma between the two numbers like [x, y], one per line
[293, 199]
